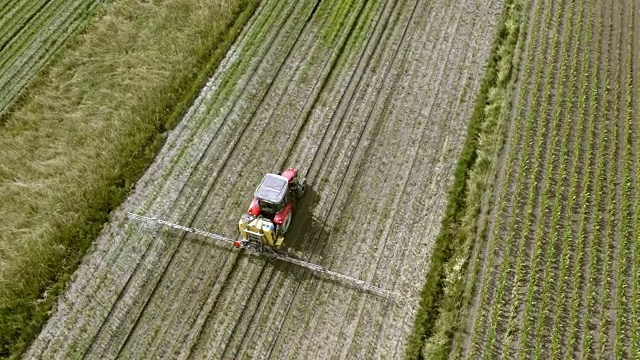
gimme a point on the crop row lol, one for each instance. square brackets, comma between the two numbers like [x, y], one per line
[484, 287]
[560, 275]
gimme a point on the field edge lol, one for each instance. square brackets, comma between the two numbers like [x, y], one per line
[440, 300]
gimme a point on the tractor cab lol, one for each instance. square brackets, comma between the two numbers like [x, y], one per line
[271, 210]
[272, 195]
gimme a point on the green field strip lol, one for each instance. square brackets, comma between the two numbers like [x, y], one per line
[515, 304]
[178, 69]
[623, 274]
[604, 341]
[587, 216]
[467, 294]
[510, 159]
[33, 46]
[580, 209]
[525, 186]
[15, 15]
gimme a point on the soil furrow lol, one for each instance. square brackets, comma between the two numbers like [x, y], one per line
[194, 255]
[238, 129]
[154, 251]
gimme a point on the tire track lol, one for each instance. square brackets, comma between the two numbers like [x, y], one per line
[210, 185]
[282, 94]
[214, 156]
[148, 249]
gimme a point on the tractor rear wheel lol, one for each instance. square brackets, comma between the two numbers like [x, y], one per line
[301, 186]
[282, 229]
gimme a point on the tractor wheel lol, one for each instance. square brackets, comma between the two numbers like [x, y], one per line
[282, 229]
[302, 186]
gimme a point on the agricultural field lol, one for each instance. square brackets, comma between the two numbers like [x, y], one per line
[30, 34]
[554, 270]
[370, 100]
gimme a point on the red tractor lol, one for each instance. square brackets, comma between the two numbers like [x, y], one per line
[269, 215]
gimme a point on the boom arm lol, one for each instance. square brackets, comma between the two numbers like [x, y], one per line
[256, 250]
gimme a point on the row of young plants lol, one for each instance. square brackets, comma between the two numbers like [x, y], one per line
[588, 209]
[611, 222]
[501, 111]
[635, 277]
[511, 157]
[532, 163]
[622, 322]
[579, 200]
[544, 241]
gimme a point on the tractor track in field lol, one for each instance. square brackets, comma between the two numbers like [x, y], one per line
[341, 91]
[30, 34]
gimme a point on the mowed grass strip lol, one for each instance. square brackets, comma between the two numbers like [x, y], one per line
[79, 140]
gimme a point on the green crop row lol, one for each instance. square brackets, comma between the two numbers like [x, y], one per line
[521, 182]
[520, 225]
[576, 275]
[621, 305]
[502, 201]
[539, 245]
[635, 286]
[578, 204]
[501, 111]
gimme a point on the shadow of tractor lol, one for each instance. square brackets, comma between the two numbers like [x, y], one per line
[306, 233]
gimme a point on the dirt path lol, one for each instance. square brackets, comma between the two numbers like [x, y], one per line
[30, 33]
[370, 100]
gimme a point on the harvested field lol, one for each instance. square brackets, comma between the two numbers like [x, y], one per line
[30, 33]
[370, 99]
[555, 273]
